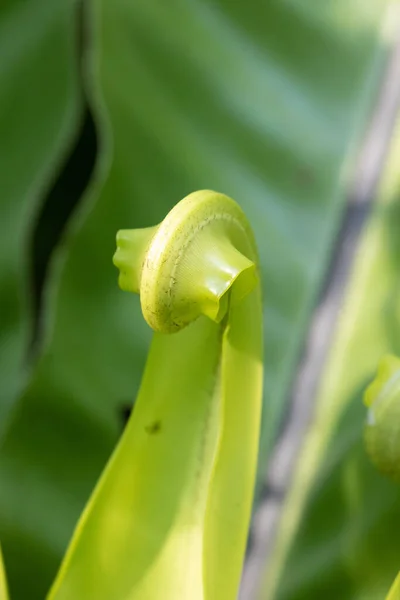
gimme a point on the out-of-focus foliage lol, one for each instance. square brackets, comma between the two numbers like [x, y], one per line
[259, 100]
[39, 109]
[347, 545]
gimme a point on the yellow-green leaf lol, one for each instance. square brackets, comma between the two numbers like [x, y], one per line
[169, 517]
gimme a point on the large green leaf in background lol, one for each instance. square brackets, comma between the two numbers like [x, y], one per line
[39, 110]
[348, 543]
[259, 100]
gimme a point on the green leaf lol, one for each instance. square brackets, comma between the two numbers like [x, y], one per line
[170, 515]
[39, 109]
[340, 532]
[262, 101]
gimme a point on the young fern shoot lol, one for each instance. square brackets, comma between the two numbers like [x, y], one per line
[169, 517]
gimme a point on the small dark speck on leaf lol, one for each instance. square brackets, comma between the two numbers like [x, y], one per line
[153, 427]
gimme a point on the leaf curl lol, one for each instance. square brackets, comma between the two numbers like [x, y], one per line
[169, 517]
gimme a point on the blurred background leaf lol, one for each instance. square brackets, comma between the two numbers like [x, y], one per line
[262, 101]
[340, 526]
[39, 113]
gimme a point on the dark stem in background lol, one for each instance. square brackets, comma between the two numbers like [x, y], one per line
[315, 352]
